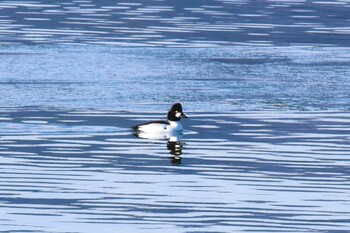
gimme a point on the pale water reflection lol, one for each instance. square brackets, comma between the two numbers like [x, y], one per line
[150, 79]
[166, 23]
[84, 171]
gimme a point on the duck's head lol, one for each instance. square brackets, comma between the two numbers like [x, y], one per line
[175, 113]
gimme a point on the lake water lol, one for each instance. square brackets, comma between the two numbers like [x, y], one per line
[199, 23]
[265, 85]
[84, 171]
[151, 79]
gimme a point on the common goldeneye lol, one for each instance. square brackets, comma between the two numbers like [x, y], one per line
[162, 129]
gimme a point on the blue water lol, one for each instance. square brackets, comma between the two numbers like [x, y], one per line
[151, 79]
[199, 23]
[83, 171]
[265, 85]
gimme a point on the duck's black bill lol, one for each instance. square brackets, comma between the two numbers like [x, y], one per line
[183, 115]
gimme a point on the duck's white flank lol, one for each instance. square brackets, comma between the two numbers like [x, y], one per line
[159, 128]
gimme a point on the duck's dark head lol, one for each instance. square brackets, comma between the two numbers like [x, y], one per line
[175, 113]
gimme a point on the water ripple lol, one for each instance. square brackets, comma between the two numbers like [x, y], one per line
[174, 24]
[248, 171]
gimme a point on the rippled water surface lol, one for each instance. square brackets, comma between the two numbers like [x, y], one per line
[83, 171]
[176, 23]
[150, 79]
[265, 84]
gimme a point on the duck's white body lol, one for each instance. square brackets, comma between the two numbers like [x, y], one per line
[160, 131]
[158, 127]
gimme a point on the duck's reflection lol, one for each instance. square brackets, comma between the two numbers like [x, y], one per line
[174, 144]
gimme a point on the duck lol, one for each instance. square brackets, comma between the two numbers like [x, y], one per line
[162, 129]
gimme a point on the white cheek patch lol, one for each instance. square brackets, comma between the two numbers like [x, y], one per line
[178, 114]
